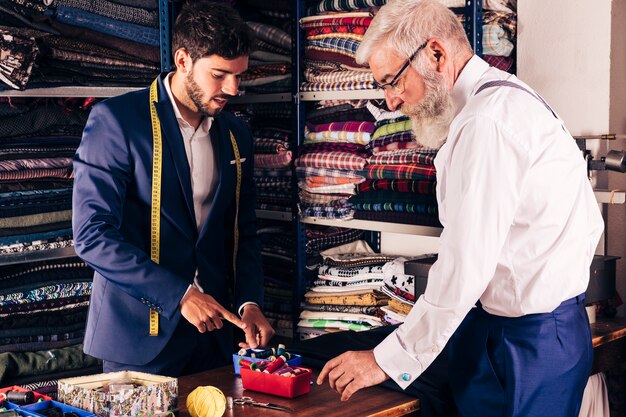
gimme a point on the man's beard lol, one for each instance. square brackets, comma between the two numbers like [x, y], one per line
[431, 117]
[195, 94]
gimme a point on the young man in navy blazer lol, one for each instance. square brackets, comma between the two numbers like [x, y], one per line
[170, 313]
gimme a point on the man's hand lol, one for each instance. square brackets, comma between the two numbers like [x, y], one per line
[351, 371]
[258, 331]
[204, 312]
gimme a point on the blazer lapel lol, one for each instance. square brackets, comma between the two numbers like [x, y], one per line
[173, 139]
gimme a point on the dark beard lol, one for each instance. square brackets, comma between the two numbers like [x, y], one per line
[195, 94]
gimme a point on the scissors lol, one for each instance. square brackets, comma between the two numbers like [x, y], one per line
[249, 401]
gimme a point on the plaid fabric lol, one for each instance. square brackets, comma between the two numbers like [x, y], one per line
[318, 244]
[504, 63]
[406, 136]
[352, 36]
[328, 213]
[341, 5]
[382, 114]
[352, 148]
[264, 80]
[316, 54]
[507, 21]
[332, 160]
[340, 45]
[343, 189]
[367, 127]
[271, 34]
[338, 86]
[399, 172]
[408, 151]
[321, 199]
[265, 70]
[355, 19]
[315, 76]
[38, 173]
[303, 172]
[313, 182]
[402, 159]
[391, 128]
[270, 146]
[272, 173]
[339, 203]
[115, 11]
[266, 46]
[271, 133]
[336, 136]
[273, 207]
[398, 217]
[266, 57]
[17, 58]
[279, 160]
[352, 30]
[395, 146]
[398, 207]
[496, 41]
[269, 183]
[384, 122]
[393, 197]
[402, 186]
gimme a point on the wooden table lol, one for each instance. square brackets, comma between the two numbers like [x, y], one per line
[609, 344]
[320, 402]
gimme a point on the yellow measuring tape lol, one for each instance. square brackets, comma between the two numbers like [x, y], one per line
[155, 212]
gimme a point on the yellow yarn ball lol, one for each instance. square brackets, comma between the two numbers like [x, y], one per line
[206, 401]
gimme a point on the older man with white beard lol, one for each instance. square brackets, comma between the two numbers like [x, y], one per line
[521, 225]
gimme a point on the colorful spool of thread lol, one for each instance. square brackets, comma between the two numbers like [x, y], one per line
[206, 401]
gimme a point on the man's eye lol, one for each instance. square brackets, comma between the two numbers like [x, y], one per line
[218, 76]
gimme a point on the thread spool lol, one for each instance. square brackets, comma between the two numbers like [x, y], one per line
[273, 366]
[20, 397]
[206, 401]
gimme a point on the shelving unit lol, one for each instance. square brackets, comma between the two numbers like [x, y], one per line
[34, 256]
[69, 91]
[374, 226]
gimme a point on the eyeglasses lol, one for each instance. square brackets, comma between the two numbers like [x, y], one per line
[393, 84]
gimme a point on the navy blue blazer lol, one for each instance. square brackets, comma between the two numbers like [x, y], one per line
[111, 221]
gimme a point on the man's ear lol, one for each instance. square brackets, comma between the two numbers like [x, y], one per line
[437, 53]
[182, 60]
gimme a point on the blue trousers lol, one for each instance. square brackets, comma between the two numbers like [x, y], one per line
[534, 365]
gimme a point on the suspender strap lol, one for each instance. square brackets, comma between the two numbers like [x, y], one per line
[504, 83]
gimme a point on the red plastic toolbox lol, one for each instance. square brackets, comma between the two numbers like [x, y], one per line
[38, 396]
[283, 386]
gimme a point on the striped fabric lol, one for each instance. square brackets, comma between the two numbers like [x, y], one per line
[331, 213]
[352, 148]
[362, 138]
[314, 76]
[402, 186]
[326, 199]
[279, 160]
[339, 45]
[504, 63]
[398, 207]
[391, 128]
[37, 173]
[343, 189]
[345, 30]
[271, 34]
[338, 86]
[403, 159]
[270, 146]
[368, 127]
[400, 172]
[342, 5]
[303, 172]
[332, 160]
[381, 114]
[400, 137]
[496, 41]
[395, 146]
[356, 19]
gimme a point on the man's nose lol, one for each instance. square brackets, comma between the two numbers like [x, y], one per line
[393, 101]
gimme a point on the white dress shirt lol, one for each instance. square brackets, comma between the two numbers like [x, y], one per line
[520, 219]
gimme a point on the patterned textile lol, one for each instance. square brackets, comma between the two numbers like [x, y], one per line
[341, 236]
[271, 34]
[496, 41]
[503, 63]
[398, 207]
[404, 308]
[332, 160]
[17, 57]
[382, 114]
[345, 31]
[507, 21]
[354, 20]
[348, 274]
[41, 305]
[312, 182]
[393, 197]
[115, 11]
[271, 133]
[35, 246]
[279, 160]
[264, 80]
[352, 148]
[409, 151]
[403, 159]
[394, 138]
[339, 308]
[130, 31]
[391, 128]
[329, 213]
[272, 172]
[342, 189]
[364, 298]
[269, 57]
[400, 172]
[265, 46]
[314, 76]
[339, 45]
[402, 186]
[37, 173]
[307, 198]
[398, 217]
[317, 54]
[264, 70]
[270, 146]
[273, 110]
[341, 5]
[303, 172]
[362, 138]
[345, 317]
[338, 86]
[395, 146]
[367, 127]
[343, 325]
[26, 164]
[49, 292]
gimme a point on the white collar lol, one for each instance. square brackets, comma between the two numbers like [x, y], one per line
[204, 127]
[466, 82]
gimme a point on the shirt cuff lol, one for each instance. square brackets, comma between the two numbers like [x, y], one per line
[396, 362]
[240, 310]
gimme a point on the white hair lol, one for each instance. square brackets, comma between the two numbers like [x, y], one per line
[405, 24]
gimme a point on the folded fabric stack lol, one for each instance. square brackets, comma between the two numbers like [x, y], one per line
[278, 269]
[334, 30]
[345, 294]
[400, 288]
[38, 139]
[400, 175]
[270, 62]
[79, 42]
[43, 311]
[332, 157]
